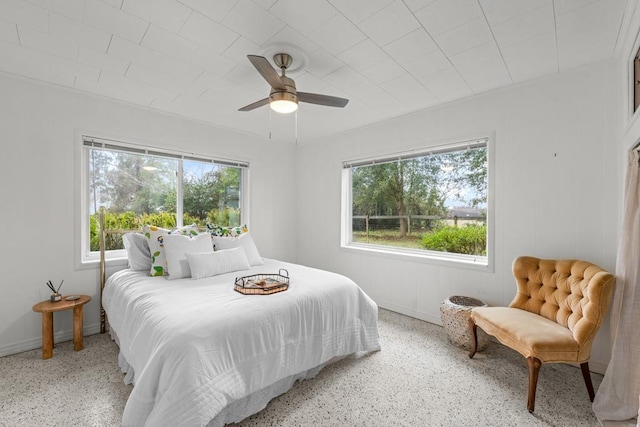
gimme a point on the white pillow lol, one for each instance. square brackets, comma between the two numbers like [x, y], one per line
[138, 252]
[175, 248]
[244, 241]
[207, 264]
[155, 238]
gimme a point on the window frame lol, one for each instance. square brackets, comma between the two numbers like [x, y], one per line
[475, 262]
[89, 258]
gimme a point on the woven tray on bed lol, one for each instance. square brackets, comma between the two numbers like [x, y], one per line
[263, 284]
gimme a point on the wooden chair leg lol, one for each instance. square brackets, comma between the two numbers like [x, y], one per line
[587, 379]
[474, 337]
[534, 368]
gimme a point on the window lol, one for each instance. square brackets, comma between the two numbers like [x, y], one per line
[139, 186]
[430, 203]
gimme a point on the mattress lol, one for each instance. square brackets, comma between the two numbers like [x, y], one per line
[200, 353]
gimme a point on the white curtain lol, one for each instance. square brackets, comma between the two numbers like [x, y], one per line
[618, 397]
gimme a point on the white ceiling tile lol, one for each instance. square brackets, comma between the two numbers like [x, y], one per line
[322, 63]
[384, 71]
[390, 24]
[70, 8]
[179, 69]
[359, 10]
[416, 5]
[208, 33]
[444, 15]
[582, 48]
[101, 60]
[464, 37]
[66, 67]
[8, 32]
[409, 91]
[534, 23]
[337, 35]
[128, 89]
[365, 91]
[288, 35]
[239, 50]
[133, 52]
[168, 14]
[482, 68]
[307, 82]
[265, 4]
[247, 76]
[25, 14]
[49, 44]
[168, 43]
[363, 55]
[303, 19]
[427, 64]
[112, 3]
[112, 20]
[594, 15]
[564, 6]
[407, 48]
[78, 32]
[212, 62]
[215, 10]
[94, 87]
[498, 11]
[446, 85]
[253, 22]
[531, 58]
[344, 77]
[147, 75]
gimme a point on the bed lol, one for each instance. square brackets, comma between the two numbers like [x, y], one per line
[200, 353]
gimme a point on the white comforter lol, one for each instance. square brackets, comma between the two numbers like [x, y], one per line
[197, 346]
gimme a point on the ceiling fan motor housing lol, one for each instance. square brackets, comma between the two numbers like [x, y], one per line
[290, 94]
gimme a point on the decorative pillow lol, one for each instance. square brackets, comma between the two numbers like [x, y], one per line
[138, 252]
[207, 264]
[155, 236]
[244, 241]
[175, 248]
[220, 231]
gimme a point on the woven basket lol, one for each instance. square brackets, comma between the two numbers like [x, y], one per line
[455, 312]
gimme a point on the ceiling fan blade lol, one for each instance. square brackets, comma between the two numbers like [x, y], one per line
[315, 98]
[254, 105]
[267, 71]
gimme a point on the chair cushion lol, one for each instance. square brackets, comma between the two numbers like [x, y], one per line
[528, 333]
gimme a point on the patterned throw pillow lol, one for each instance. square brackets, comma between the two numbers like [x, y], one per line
[220, 231]
[156, 236]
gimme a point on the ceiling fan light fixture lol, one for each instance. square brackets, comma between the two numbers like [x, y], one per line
[283, 102]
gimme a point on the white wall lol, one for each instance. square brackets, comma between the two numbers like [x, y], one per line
[39, 124]
[557, 189]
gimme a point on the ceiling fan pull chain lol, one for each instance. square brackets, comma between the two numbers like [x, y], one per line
[296, 127]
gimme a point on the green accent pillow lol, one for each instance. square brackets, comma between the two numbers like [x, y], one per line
[220, 231]
[155, 236]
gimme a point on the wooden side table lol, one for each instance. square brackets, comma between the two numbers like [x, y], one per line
[47, 308]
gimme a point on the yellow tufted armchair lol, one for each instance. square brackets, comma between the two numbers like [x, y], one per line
[554, 316]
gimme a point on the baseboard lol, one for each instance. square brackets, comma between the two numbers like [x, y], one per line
[407, 311]
[33, 343]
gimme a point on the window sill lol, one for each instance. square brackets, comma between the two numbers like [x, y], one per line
[478, 263]
[94, 263]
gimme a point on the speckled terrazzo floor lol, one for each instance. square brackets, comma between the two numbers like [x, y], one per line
[417, 379]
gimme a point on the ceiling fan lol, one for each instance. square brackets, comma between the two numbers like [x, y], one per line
[284, 97]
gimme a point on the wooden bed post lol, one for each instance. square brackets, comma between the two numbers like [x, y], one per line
[103, 323]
